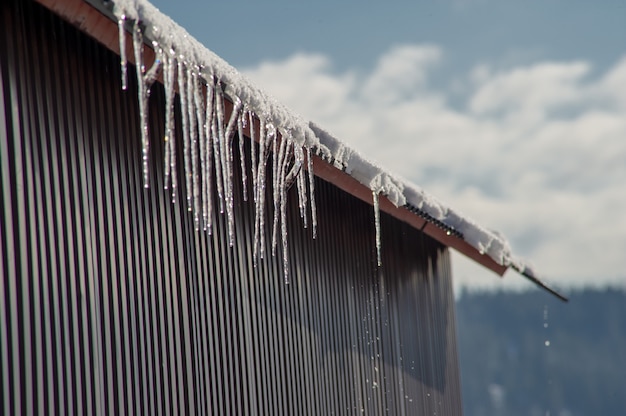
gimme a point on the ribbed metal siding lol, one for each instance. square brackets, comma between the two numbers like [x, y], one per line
[111, 302]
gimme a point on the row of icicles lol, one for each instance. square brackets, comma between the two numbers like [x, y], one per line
[208, 147]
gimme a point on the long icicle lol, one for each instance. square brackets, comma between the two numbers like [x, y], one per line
[301, 184]
[377, 225]
[169, 66]
[207, 208]
[283, 209]
[278, 182]
[182, 91]
[253, 156]
[123, 61]
[200, 120]
[228, 174]
[218, 144]
[259, 223]
[274, 163]
[241, 121]
[312, 191]
[269, 141]
[144, 82]
[193, 146]
[275, 194]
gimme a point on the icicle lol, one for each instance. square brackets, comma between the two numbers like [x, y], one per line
[227, 159]
[278, 180]
[274, 165]
[143, 101]
[199, 177]
[283, 209]
[377, 225]
[193, 146]
[253, 156]
[182, 91]
[216, 133]
[293, 173]
[312, 191]
[209, 124]
[301, 184]
[242, 157]
[123, 60]
[144, 82]
[169, 67]
[259, 221]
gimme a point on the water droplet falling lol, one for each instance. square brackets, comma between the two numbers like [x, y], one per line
[545, 323]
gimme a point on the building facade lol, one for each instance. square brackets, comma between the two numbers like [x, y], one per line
[113, 302]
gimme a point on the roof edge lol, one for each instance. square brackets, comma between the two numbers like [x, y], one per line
[335, 162]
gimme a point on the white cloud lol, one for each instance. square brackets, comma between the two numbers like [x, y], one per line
[400, 74]
[537, 152]
[529, 92]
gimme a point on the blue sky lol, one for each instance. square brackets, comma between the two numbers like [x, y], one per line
[512, 112]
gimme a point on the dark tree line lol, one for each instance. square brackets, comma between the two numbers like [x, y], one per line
[530, 354]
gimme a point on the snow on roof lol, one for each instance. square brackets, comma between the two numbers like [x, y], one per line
[283, 134]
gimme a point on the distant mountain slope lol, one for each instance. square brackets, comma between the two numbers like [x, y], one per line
[529, 354]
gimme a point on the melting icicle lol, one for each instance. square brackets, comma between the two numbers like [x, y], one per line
[278, 180]
[215, 132]
[143, 101]
[242, 157]
[193, 145]
[301, 184]
[227, 157]
[199, 177]
[182, 91]
[293, 173]
[255, 186]
[169, 68]
[253, 156]
[377, 225]
[274, 165]
[144, 82]
[312, 191]
[209, 125]
[123, 60]
[259, 222]
[283, 211]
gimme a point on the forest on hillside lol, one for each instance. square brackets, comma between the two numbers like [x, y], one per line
[530, 354]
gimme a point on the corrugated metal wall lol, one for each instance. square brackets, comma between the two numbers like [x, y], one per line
[111, 303]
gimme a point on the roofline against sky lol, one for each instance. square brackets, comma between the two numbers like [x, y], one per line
[93, 18]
